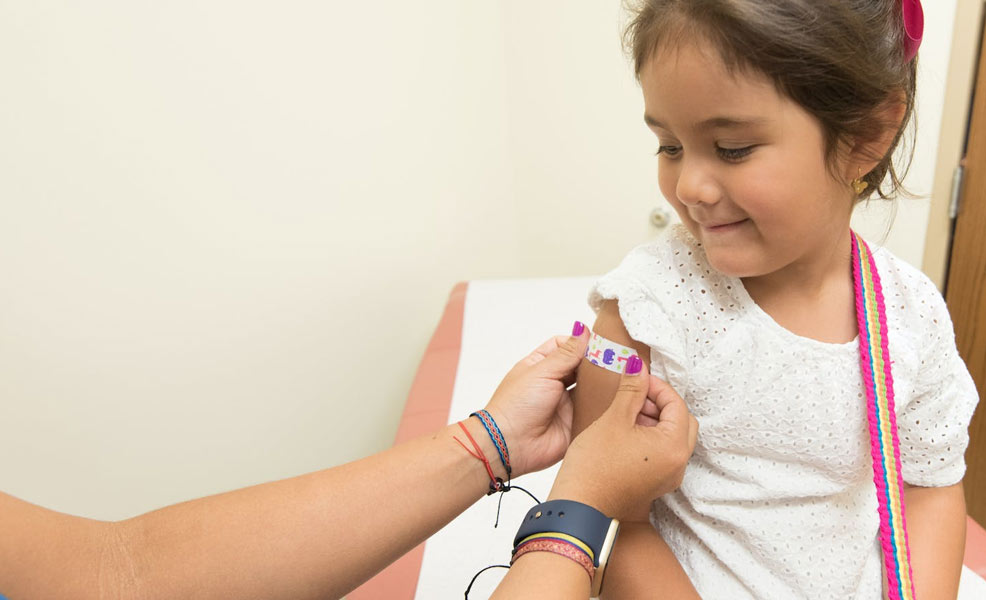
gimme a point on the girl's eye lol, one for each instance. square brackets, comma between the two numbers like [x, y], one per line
[734, 153]
[669, 151]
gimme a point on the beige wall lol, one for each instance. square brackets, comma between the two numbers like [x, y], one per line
[227, 229]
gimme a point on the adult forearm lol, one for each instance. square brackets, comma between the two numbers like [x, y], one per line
[936, 521]
[543, 576]
[314, 536]
[46, 554]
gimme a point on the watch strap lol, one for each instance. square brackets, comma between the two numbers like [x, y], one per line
[569, 518]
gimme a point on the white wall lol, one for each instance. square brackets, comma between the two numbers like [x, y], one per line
[227, 229]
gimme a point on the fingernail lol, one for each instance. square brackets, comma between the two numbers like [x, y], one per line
[634, 365]
[578, 328]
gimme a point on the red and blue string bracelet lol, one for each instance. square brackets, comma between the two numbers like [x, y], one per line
[496, 484]
[497, 436]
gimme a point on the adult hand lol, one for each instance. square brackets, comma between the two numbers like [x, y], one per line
[623, 461]
[532, 405]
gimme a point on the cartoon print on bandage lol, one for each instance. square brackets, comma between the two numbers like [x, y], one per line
[608, 354]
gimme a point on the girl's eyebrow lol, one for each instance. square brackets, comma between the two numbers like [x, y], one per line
[714, 122]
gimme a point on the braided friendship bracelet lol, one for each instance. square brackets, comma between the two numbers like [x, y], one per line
[497, 436]
[562, 547]
[562, 537]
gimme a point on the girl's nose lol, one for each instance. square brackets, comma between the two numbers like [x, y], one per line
[696, 185]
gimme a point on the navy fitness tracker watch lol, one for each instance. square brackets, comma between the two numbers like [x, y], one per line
[581, 521]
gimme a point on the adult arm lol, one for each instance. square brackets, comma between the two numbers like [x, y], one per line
[315, 536]
[318, 535]
[616, 464]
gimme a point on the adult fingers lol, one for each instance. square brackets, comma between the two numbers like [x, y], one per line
[562, 361]
[649, 414]
[650, 409]
[672, 408]
[549, 346]
[692, 432]
[632, 391]
[675, 418]
[569, 380]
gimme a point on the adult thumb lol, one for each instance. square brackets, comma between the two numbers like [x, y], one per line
[630, 395]
[568, 353]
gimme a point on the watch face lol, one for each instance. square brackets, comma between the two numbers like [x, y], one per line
[604, 553]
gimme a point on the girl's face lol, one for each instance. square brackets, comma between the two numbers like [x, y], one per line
[743, 165]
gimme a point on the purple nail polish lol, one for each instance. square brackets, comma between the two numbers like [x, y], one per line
[634, 365]
[578, 328]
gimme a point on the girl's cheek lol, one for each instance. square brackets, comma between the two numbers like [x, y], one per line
[667, 181]
[668, 187]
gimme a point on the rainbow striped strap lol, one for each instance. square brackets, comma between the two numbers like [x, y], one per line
[497, 436]
[874, 358]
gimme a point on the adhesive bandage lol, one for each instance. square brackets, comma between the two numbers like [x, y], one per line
[608, 354]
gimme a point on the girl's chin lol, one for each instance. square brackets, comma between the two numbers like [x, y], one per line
[729, 255]
[731, 264]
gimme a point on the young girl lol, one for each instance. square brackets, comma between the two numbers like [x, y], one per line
[774, 118]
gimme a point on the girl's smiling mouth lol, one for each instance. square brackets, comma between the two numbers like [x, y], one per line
[722, 227]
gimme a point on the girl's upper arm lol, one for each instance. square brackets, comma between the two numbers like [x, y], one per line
[596, 386]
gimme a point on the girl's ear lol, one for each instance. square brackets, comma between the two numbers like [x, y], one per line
[866, 154]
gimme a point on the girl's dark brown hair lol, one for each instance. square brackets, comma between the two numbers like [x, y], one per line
[841, 60]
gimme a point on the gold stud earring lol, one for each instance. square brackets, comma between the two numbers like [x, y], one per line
[858, 185]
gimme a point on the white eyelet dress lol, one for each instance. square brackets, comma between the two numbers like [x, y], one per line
[778, 500]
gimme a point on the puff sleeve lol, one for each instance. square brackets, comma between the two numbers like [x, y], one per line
[637, 285]
[934, 425]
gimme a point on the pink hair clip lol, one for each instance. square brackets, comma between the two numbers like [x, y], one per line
[913, 27]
